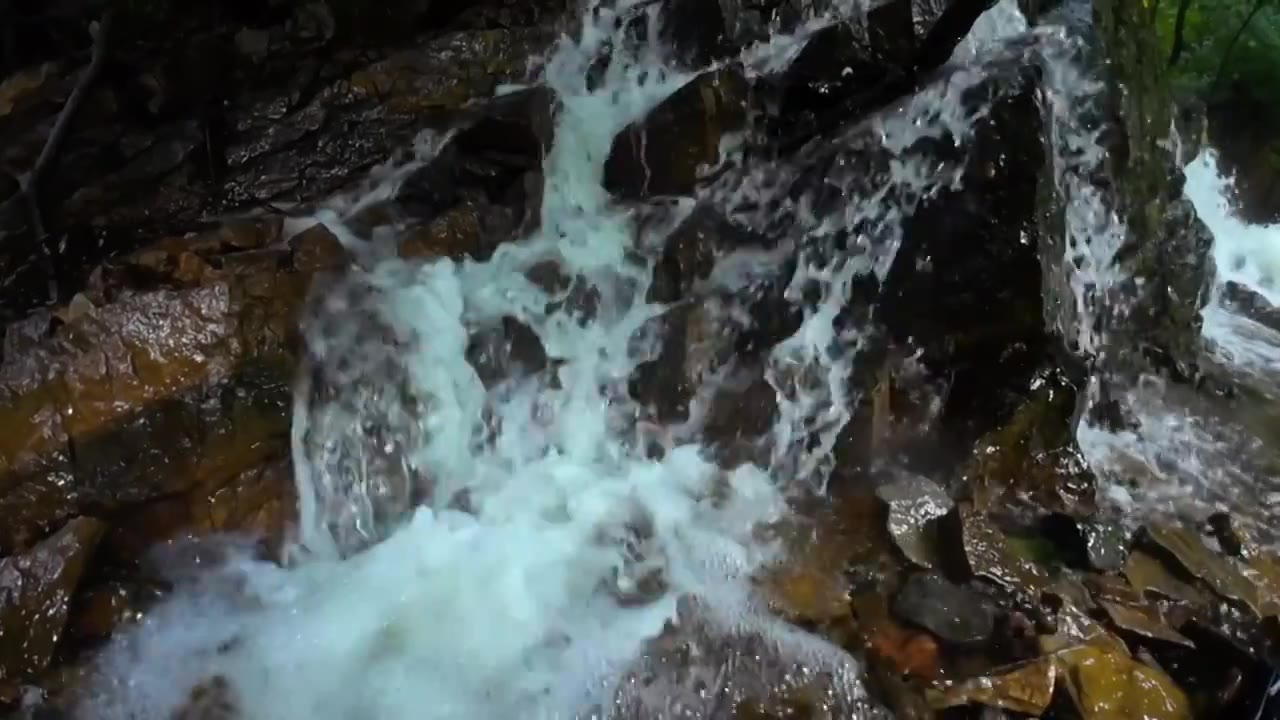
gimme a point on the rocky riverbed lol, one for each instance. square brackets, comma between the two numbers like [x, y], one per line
[922, 270]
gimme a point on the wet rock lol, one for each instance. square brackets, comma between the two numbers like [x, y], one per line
[1096, 543]
[1143, 621]
[848, 59]
[498, 143]
[1166, 248]
[1106, 683]
[1150, 576]
[1008, 393]
[1028, 690]
[954, 613]
[316, 249]
[361, 413]
[1032, 458]
[500, 14]
[1251, 304]
[697, 339]
[906, 651]
[691, 251]
[914, 503]
[216, 130]
[470, 229]
[175, 377]
[741, 414]
[1217, 571]
[848, 71]
[1105, 544]
[98, 611]
[259, 503]
[507, 351]
[811, 587]
[37, 589]
[665, 153]
[990, 554]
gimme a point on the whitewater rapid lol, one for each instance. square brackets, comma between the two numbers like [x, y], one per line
[1191, 454]
[552, 549]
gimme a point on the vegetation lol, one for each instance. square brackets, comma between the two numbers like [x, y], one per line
[1219, 48]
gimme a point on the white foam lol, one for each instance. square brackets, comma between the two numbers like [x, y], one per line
[507, 605]
[506, 611]
[1003, 21]
[1244, 253]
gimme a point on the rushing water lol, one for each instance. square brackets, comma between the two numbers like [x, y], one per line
[524, 586]
[1192, 454]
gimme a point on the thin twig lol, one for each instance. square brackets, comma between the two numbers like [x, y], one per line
[29, 182]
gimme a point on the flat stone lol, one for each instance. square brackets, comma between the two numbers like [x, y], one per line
[952, 612]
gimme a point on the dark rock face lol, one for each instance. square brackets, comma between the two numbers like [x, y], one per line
[35, 596]
[234, 117]
[662, 154]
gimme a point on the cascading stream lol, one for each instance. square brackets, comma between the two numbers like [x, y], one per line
[548, 549]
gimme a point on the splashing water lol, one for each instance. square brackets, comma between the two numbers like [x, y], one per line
[513, 552]
[1191, 454]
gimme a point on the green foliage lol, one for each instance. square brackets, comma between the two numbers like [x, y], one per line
[1210, 64]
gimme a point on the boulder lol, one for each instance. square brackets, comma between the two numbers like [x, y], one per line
[171, 373]
[36, 587]
[664, 153]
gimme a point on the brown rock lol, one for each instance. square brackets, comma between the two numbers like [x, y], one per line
[259, 502]
[317, 249]
[691, 250]
[35, 596]
[177, 378]
[98, 611]
[457, 233]
[662, 154]
[447, 72]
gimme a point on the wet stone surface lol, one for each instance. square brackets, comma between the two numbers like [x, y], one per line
[952, 612]
[152, 343]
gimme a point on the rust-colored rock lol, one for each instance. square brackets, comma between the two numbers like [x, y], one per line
[172, 373]
[35, 596]
[259, 502]
[99, 610]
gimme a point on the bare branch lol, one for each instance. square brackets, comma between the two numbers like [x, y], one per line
[1231, 46]
[1179, 28]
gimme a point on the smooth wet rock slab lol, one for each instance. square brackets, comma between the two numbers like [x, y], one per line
[170, 374]
[954, 613]
[1144, 621]
[1152, 577]
[990, 553]
[1219, 572]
